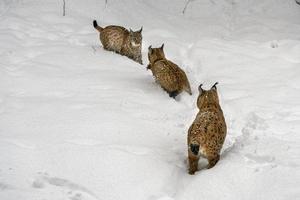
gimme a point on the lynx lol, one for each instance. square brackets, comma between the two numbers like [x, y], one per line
[170, 77]
[121, 41]
[207, 133]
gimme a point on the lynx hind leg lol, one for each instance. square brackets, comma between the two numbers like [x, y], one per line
[193, 163]
[212, 160]
[139, 60]
[109, 48]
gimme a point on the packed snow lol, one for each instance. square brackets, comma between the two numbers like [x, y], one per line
[81, 123]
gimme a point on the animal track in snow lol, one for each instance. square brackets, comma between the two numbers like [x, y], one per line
[176, 182]
[72, 190]
[136, 150]
[260, 158]
[19, 143]
[85, 142]
[161, 198]
[140, 151]
[4, 186]
[274, 44]
[250, 134]
[255, 122]
[80, 106]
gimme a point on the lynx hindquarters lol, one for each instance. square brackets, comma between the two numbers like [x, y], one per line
[121, 41]
[207, 133]
[170, 77]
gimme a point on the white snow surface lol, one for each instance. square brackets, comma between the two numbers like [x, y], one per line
[81, 123]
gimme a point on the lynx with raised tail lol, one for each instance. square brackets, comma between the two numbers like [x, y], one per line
[121, 41]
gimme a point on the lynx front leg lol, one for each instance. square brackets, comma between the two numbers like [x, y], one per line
[139, 60]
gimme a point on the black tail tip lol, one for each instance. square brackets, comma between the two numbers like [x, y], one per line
[95, 23]
[173, 94]
[194, 149]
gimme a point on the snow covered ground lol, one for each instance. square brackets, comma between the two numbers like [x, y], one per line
[81, 123]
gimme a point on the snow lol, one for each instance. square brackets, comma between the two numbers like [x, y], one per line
[81, 123]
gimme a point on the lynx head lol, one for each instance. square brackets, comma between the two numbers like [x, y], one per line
[208, 98]
[136, 38]
[155, 54]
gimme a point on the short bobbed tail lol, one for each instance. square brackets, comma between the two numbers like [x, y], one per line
[194, 149]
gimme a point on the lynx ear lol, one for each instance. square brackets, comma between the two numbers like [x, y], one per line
[214, 86]
[139, 31]
[200, 89]
[150, 49]
[162, 47]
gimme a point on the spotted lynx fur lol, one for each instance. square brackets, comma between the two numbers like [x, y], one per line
[166, 73]
[121, 41]
[207, 133]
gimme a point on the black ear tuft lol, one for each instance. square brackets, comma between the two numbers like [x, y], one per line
[139, 31]
[150, 49]
[215, 86]
[162, 46]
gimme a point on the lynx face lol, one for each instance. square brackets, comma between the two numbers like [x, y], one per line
[136, 38]
[207, 97]
[155, 54]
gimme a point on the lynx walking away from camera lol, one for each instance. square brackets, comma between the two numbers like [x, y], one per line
[122, 41]
[208, 131]
[167, 74]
